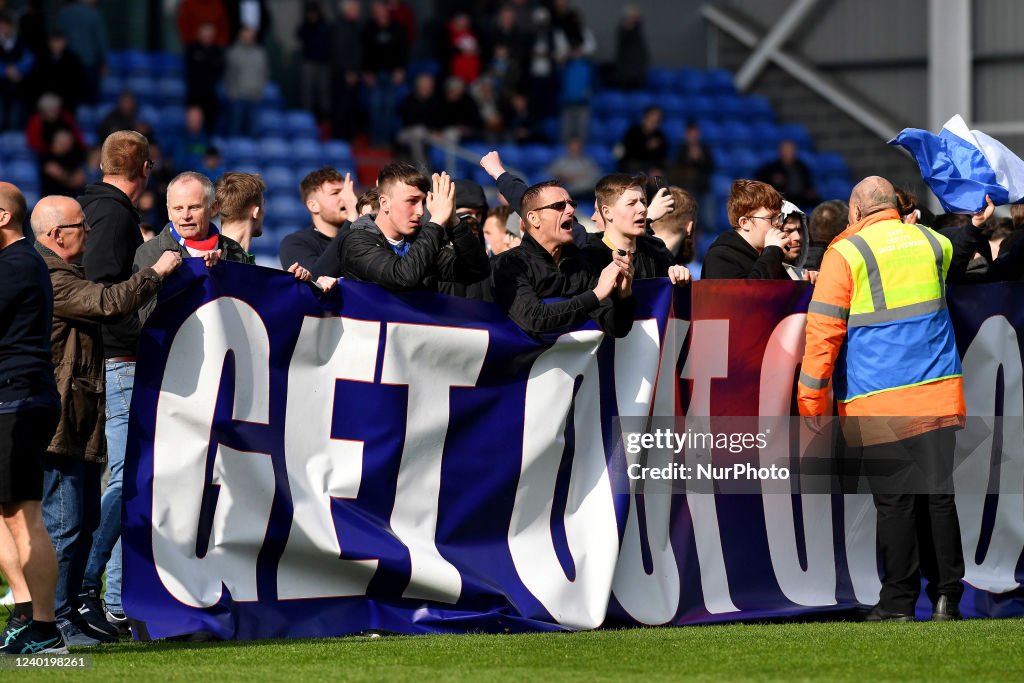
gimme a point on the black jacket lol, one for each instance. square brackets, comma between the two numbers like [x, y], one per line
[730, 257]
[526, 275]
[363, 253]
[306, 246]
[109, 254]
[652, 259]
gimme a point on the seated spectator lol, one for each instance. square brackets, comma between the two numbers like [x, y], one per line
[204, 69]
[644, 148]
[45, 123]
[459, 114]
[62, 167]
[827, 220]
[676, 228]
[574, 170]
[497, 232]
[794, 227]
[621, 202]
[789, 176]
[191, 203]
[393, 250]
[124, 116]
[753, 249]
[245, 76]
[368, 202]
[58, 70]
[420, 113]
[192, 142]
[547, 265]
[331, 200]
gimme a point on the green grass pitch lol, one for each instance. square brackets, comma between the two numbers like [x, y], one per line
[976, 650]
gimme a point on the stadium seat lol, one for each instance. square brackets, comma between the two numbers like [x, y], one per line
[674, 129]
[111, 86]
[88, 117]
[714, 133]
[767, 136]
[171, 91]
[745, 162]
[115, 63]
[307, 153]
[23, 174]
[674, 106]
[271, 122]
[615, 129]
[287, 210]
[638, 102]
[721, 183]
[173, 117]
[661, 79]
[758, 108]
[137, 64]
[248, 167]
[242, 150]
[833, 165]
[337, 153]
[272, 98]
[167, 65]
[596, 131]
[279, 179]
[798, 134]
[602, 155]
[149, 114]
[719, 82]
[610, 104]
[689, 81]
[275, 151]
[300, 123]
[738, 134]
[144, 88]
[701, 107]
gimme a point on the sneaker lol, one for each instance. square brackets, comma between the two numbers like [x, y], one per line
[91, 619]
[119, 621]
[31, 640]
[15, 625]
[73, 635]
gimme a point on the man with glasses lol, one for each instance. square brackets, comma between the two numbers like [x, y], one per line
[76, 455]
[110, 208]
[754, 248]
[548, 265]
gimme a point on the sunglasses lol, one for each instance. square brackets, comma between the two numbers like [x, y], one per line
[84, 225]
[558, 206]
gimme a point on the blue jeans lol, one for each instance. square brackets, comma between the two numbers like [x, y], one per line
[71, 511]
[106, 547]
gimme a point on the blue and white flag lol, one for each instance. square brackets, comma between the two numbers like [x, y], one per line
[961, 166]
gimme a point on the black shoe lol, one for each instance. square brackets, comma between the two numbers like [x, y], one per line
[92, 620]
[15, 625]
[118, 621]
[878, 613]
[33, 639]
[946, 610]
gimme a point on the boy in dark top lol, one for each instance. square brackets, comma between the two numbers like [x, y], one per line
[753, 249]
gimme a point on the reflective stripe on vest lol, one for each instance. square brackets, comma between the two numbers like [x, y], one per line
[899, 333]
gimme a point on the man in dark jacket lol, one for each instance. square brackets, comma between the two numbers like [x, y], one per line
[109, 208]
[753, 249]
[621, 201]
[391, 248]
[330, 199]
[191, 203]
[470, 209]
[790, 176]
[78, 451]
[547, 264]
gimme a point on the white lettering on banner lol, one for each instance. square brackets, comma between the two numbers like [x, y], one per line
[995, 345]
[181, 439]
[815, 586]
[649, 598]
[321, 468]
[707, 359]
[590, 524]
[430, 361]
[860, 528]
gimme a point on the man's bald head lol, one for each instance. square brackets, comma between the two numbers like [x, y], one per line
[13, 201]
[52, 211]
[871, 195]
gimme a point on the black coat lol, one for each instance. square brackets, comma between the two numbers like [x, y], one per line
[109, 254]
[363, 253]
[526, 275]
[652, 259]
[306, 246]
[730, 257]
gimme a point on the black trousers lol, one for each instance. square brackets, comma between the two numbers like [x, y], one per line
[918, 528]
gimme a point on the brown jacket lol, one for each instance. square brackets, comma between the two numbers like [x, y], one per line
[79, 307]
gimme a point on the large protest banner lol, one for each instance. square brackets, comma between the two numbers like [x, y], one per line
[304, 466]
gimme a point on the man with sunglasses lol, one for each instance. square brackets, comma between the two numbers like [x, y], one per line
[110, 208]
[76, 455]
[548, 265]
[755, 248]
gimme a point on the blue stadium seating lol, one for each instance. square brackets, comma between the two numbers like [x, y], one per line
[23, 174]
[144, 88]
[719, 82]
[172, 117]
[272, 98]
[661, 79]
[171, 91]
[609, 104]
[111, 87]
[307, 153]
[300, 123]
[241, 151]
[279, 179]
[337, 153]
[689, 81]
[271, 122]
[167, 65]
[274, 151]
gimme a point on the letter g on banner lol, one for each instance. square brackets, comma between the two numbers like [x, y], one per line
[184, 423]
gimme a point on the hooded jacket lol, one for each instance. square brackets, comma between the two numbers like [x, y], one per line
[79, 306]
[730, 257]
[796, 270]
[113, 241]
[364, 254]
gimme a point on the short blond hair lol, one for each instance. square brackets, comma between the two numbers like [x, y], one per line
[124, 154]
[237, 192]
